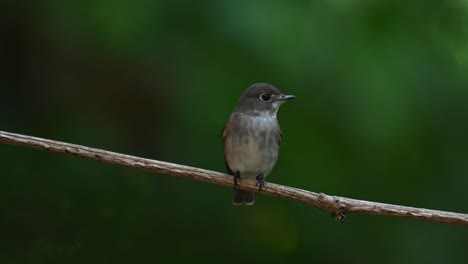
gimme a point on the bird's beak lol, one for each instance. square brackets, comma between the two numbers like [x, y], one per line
[284, 97]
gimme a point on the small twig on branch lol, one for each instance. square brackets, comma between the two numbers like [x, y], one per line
[335, 205]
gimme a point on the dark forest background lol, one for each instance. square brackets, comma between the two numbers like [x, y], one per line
[381, 114]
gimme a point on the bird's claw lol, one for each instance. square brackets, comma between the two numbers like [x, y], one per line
[260, 182]
[237, 179]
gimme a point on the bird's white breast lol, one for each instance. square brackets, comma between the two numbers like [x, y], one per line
[252, 147]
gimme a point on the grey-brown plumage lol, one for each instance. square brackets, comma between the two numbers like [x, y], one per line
[252, 136]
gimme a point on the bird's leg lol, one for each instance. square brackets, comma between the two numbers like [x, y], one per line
[236, 179]
[260, 181]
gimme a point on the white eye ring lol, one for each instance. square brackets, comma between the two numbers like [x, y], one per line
[265, 97]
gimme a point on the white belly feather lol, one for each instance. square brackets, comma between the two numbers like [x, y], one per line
[253, 147]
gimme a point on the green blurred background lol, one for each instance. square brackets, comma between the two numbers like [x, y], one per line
[381, 114]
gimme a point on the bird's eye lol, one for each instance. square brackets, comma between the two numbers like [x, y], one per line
[265, 97]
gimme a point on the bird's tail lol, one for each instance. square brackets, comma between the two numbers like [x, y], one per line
[243, 197]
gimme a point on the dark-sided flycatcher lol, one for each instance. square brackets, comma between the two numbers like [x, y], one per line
[252, 136]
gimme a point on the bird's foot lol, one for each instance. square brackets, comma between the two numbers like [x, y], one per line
[260, 182]
[236, 179]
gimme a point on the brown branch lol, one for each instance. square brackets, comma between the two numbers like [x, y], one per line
[337, 206]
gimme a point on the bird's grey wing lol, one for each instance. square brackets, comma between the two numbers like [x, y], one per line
[280, 138]
[223, 139]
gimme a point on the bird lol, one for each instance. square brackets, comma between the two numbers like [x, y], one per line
[251, 138]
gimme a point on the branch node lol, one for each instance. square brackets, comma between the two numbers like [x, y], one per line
[340, 217]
